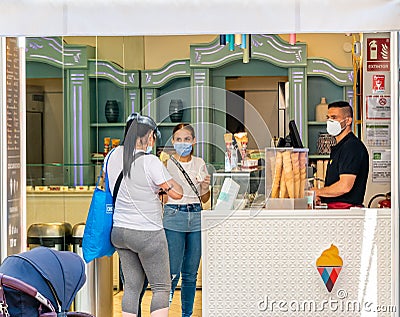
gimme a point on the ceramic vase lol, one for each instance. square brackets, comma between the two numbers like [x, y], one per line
[176, 110]
[111, 111]
[321, 110]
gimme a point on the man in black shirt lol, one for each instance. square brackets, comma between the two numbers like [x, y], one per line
[347, 171]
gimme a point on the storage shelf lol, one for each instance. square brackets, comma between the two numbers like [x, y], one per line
[108, 125]
[317, 123]
[167, 124]
[318, 156]
[319, 87]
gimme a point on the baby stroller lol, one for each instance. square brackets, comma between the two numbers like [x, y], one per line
[40, 283]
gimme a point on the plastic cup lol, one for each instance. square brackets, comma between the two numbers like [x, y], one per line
[310, 195]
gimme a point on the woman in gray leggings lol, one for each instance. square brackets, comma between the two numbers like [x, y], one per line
[138, 233]
[140, 252]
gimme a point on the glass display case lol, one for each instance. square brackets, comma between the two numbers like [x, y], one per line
[286, 178]
[57, 195]
[238, 190]
[55, 175]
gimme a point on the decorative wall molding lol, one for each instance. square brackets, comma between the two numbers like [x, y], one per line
[52, 51]
[77, 116]
[269, 48]
[160, 77]
[297, 93]
[323, 67]
[200, 96]
[212, 55]
[273, 49]
[114, 73]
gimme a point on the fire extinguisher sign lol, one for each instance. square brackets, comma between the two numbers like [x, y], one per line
[378, 54]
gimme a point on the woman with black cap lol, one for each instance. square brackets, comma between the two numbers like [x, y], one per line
[138, 233]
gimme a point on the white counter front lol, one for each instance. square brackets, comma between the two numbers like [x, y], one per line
[264, 264]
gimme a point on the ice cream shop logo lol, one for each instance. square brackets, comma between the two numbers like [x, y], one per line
[329, 265]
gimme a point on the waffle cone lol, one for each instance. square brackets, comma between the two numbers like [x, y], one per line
[277, 175]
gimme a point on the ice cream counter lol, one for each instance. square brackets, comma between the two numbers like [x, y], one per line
[51, 206]
[297, 263]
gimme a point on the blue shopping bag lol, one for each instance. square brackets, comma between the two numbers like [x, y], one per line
[96, 240]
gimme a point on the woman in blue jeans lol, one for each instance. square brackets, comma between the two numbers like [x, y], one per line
[182, 222]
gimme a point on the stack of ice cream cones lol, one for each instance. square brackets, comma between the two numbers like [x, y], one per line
[288, 170]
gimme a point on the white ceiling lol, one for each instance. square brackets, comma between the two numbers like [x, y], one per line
[168, 17]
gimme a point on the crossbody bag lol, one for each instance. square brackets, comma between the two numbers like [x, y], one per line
[188, 179]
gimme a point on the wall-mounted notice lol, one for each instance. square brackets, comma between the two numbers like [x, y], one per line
[13, 124]
[377, 134]
[381, 166]
[378, 107]
[378, 84]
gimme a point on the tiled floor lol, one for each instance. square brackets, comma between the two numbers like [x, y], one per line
[175, 309]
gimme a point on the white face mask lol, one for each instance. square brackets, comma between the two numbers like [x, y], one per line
[334, 127]
[149, 149]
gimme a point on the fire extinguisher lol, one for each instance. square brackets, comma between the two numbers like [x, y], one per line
[383, 203]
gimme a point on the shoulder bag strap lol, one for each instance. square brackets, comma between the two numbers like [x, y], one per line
[116, 187]
[120, 176]
[173, 159]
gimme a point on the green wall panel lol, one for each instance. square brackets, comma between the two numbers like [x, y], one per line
[40, 70]
[101, 91]
[318, 87]
[176, 89]
[253, 68]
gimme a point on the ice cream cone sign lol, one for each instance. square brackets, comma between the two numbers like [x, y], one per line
[329, 265]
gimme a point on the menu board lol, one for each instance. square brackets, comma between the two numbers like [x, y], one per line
[13, 135]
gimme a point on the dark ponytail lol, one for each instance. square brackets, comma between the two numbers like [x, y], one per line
[130, 147]
[137, 127]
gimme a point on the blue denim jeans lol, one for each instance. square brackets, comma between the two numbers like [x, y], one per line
[182, 225]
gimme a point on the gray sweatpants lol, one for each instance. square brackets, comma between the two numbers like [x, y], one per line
[143, 253]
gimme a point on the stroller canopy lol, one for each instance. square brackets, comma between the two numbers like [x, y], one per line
[47, 269]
